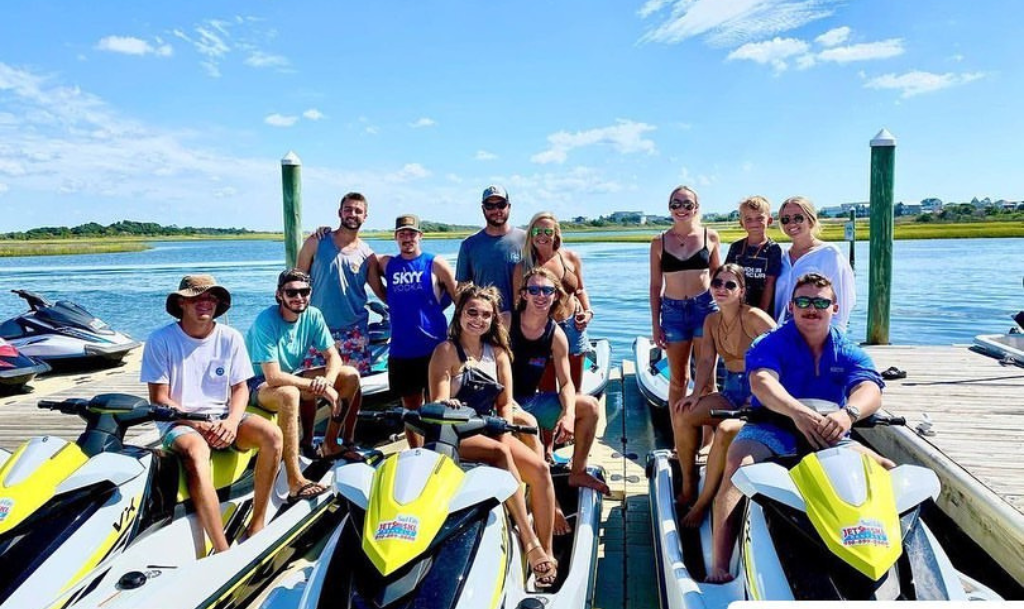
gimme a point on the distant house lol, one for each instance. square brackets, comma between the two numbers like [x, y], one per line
[931, 205]
[907, 209]
[626, 216]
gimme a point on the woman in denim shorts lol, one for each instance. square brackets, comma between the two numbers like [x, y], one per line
[682, 259]
[543, 248]
[729, 333]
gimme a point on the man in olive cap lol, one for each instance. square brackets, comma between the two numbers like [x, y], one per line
[199, 365]
[419, 287]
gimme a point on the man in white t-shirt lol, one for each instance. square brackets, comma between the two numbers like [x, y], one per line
[199, 365]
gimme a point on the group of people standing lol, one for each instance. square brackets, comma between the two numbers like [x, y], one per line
[516, 341]
[741, 310]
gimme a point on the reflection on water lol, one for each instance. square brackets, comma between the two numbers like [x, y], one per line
[944, 291]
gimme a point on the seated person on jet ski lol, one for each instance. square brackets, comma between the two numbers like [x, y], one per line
[537, 340]
[802, 359]
[478, 340]
[728, 332]
[197, 364]
[282, 342]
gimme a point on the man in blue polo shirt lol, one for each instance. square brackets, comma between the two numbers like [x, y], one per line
[806, 358]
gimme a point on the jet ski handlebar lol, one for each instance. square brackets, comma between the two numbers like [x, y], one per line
[128, 408]
[467, 420]
[764, 415]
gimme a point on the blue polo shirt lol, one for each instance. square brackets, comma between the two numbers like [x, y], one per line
[843, 365]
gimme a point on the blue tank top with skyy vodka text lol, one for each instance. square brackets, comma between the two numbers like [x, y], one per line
[417, 318]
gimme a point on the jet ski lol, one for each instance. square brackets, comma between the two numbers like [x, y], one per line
[64, 334]
[1007, 348]
[423, 530]
[375, 385]
[17, 369]
[652, 373]
[827, 525]
[98, 520]
[596, 367]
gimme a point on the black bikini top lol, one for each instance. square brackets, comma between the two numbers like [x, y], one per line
[700, 260]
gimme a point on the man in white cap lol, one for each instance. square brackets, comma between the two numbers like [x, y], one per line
[489, 257]
[199, 365]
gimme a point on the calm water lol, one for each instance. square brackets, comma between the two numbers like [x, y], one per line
[945, 291]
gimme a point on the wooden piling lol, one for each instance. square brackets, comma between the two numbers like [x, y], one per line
[291, 186]
[883, 163]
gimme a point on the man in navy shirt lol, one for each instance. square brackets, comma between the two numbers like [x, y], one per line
[806, 358]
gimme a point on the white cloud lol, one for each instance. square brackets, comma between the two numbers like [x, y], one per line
[3, 188]
[650, 7]
[409, 172]
[279, 120]
[625, 137]
[12, 167]
[423, 122]
[483, 155]
[883, 49]
[733, 22]
[701, 179]
[833, 37]
[313, 114]
[129, 45]
[773, 52]
[259, 59]
[918, 82]
[453, 178]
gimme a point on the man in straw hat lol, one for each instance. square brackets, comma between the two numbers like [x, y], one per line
[283, 342]
[196, 364]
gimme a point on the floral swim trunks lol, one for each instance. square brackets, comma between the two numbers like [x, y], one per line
[353, 344]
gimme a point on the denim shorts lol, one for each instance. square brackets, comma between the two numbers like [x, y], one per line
[683, 320]
[736, 388]
[579, 343]
[545, 407]
[778, 440]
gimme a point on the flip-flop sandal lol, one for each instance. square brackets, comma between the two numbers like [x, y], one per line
[893, 373]
[349, 452]
[547, 577]
[308, 490]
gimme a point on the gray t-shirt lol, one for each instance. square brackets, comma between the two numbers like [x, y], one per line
[488, 260]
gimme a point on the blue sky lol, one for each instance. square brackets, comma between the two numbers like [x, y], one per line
[179, 113]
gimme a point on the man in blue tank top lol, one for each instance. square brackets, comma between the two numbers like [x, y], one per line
[419, 287]
[341, 265]
[489, 257]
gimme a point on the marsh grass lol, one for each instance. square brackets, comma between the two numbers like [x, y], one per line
[67, 247]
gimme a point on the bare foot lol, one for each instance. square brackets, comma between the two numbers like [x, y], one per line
[687, 491]
[694, 516]
[719, 576]
[585, 480]
[562, 526]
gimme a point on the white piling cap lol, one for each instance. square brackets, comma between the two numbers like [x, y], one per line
[291, 159]
[884, 138]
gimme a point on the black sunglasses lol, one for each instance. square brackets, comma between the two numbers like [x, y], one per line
[293, 292]
[498, 205]
[796, 218]
[729, 285]
[537, 290]
[687, 205]
[802, 302]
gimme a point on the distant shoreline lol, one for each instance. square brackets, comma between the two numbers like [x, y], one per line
[832, 231]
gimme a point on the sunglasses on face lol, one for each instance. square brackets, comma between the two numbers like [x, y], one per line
[798, 219]
[802, 302]
[489, 206]
[482, 314]
[537, 290]
[542, 231]
[687, 205]
[293, 292]
[729, 285]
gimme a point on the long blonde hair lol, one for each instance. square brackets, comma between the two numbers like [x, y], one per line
[529, 255]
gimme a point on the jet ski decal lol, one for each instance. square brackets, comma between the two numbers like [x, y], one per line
[404, 528]
[865, 532]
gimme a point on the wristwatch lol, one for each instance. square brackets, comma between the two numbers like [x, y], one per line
[853, 412]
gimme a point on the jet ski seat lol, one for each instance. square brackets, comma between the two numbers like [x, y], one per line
[229, 467]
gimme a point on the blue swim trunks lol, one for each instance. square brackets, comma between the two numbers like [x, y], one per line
[683, 320]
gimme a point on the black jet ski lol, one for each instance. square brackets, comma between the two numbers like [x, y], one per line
[64, 334]
[16, 368]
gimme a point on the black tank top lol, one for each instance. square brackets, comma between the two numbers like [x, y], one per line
[700, 260]
[529, 358]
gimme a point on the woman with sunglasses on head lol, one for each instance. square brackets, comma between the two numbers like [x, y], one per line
[809, 254]
[543, 248]
[477, 339]
[682, 259]
[728, 332]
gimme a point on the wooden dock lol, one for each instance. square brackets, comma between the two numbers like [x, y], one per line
[974, 403]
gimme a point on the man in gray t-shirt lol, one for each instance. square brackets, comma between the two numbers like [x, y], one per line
[490, 256]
